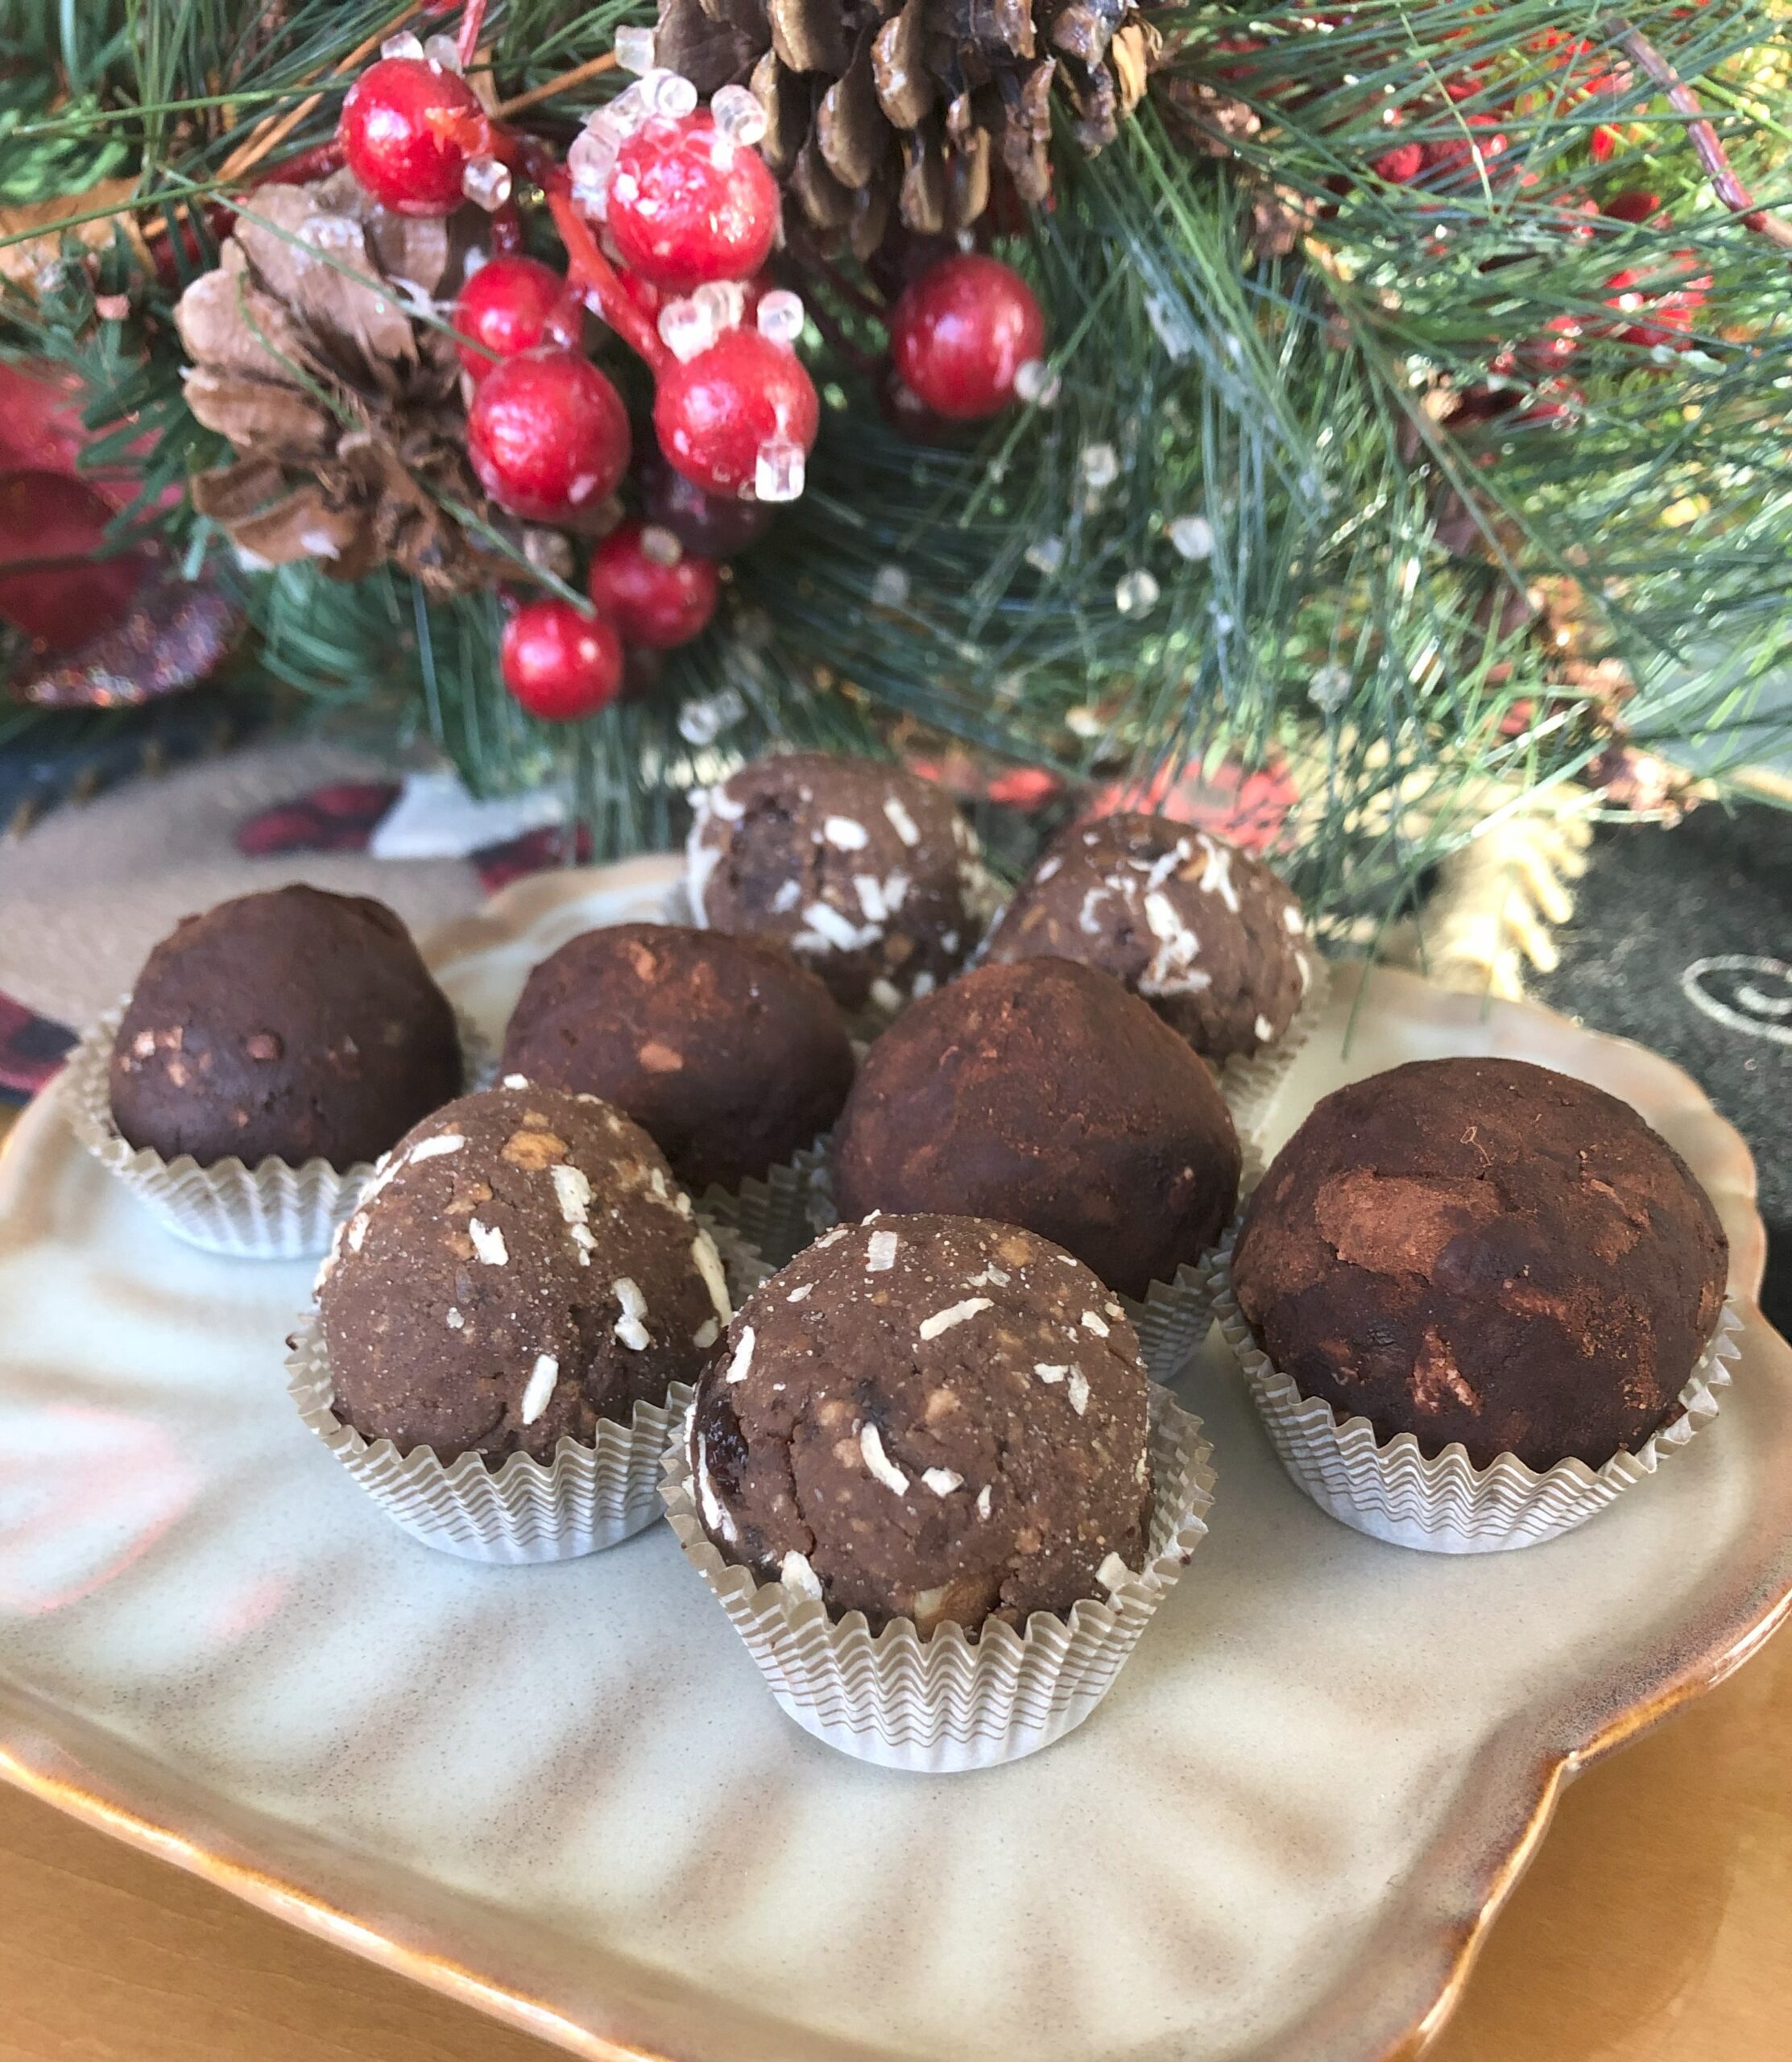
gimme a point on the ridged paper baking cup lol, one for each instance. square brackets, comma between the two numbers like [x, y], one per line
[948, 1703]
[272, 1211]
[1250, 1086]
[773, 1213]
[1447, 1505]
[586, 1498]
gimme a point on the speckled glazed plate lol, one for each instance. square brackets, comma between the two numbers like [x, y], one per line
[563, 1794]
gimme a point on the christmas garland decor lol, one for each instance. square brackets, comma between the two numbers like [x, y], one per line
[1383, 403]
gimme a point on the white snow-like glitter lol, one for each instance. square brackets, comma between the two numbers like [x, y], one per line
[880, 1253]
[488, 1243]
[871, 1445]
[438, 1147]
[742, 1356]
[795, 1573]
[629, 1328]
[540, 1391]
[942, 1481]
[954, 1313]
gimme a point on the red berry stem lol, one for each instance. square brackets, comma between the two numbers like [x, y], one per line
[1703, 138]
[466, 48]
[592, 273]
[302, 167]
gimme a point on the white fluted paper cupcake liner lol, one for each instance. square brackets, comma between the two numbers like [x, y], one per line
[1251, 1086]
[948, 1704]
[272, 1211]
[774, 1213]
[1447, 1505]
[586, 1498]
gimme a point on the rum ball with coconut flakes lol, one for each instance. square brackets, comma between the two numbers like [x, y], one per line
[866, 871]
[932, 1419]
[522, 1266]
[1203, 932]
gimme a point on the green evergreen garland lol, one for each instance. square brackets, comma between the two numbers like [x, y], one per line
[1353, 551]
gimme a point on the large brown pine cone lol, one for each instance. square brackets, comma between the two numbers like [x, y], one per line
[344, 412]
[905, 107]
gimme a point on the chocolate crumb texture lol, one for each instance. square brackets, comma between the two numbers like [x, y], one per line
[866, 871]
[1207, 935]
[1485, 1251]
[522, 1265]
[916, 1419]
[732, 1055]
[1042, 1093]
[294, 1025]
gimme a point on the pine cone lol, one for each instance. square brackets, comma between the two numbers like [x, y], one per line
[346, 414]
[909, 105]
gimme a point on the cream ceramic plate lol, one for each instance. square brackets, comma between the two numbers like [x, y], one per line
[564, 1794]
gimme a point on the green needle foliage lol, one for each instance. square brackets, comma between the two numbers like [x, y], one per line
[1362, 469]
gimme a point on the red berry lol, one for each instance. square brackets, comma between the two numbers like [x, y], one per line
[547, 435]
[561, 664]
[405, 128]
[46, 516]
[961, 331]
[1635, 206]
[713, 413]
[687, 205]
[654, 591]
[1669, 310]
[1401, 165]
[505, 306]
[712, 525]
[1466, 161]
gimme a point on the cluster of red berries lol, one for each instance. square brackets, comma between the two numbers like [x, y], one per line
[669, 216]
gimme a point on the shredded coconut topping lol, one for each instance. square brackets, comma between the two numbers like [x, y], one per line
[881, 1252]
[1216, 876]
[540, 1391]
[901, 821]
[709, 1265]
[1091, 1323]
[983, 1501]
[706, 1334]
[871, 1445]
[455, 1320]
[954, 1313]
[795, 1573]
[845, 835]
[1077, 1390]
[1112, 1572]
[517, 1081]
[488, 1243]
[1049, 1372]
[796, 1295]
[438, 1147]
[743, 1358]
[828, 927]
[629, 1328]
[942, 1481]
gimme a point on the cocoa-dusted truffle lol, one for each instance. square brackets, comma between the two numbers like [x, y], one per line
[928, 1418]
[1208, 935]
[868, 873]
[731, 1055]
[1487, 1252]
[522, 1266]
[292, 1025]
[1042, 1093]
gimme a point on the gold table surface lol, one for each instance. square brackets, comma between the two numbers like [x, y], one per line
[1655, 1925]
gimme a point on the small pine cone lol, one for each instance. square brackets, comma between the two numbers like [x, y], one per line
[889, 111]
[344, 413]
